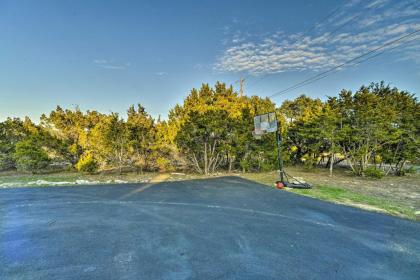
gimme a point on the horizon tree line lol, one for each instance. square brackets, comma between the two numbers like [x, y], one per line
[374, 127]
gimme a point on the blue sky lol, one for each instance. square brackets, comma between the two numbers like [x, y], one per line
[106, 55]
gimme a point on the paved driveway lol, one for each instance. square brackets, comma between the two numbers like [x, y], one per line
[224, 228]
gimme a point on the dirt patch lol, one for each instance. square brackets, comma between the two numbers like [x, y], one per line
[365, 207]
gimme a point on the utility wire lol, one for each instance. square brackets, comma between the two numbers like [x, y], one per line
[310, 29]
[323, 74]
[354, 64]
[347, 22]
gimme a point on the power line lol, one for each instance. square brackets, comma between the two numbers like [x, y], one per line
[339, 27]
[310, 29]
[369, 58]
[323, 74]
[386, 50]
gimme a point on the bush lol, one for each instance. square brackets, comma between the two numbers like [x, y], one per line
[6, 161]
[410, 170]
[245, 165]
[29, 156]
[374, 173]
[87, 163]
[164, 164]
[405, 171]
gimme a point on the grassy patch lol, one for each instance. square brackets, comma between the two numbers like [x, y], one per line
[348, 196]
[367, 202]
[14, 179]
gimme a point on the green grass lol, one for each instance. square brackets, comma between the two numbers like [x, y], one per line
[341, 195]
[368, 202]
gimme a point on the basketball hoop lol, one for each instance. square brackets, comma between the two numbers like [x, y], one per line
[264, 124]
[267, 123]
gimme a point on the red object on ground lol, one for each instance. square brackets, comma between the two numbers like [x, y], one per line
[279, 185]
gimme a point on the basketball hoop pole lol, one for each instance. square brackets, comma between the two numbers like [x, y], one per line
[267, 123]
[280, 160]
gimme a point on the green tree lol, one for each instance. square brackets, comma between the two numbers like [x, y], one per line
[328, 132]
[29, 156]
[301, 118]
[141, 135]
[366, 126]
[11, 132]
[201, 138]
[111, 141]
[87, 163]
[403, 141]
[68, 126]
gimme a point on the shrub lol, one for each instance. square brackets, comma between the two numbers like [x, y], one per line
[6, 161]
[29, 156]
[87, 163]
[405, 171]
[410, 170]
[163, 164]
[374, 173]
[245, 165]
[266, 166]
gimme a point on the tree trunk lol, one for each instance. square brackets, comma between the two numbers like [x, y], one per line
[331, 163]
[197, 164]
[328, 162]
[230, 164]
[206, 171]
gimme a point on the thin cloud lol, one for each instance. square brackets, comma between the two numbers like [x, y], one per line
[106, 64]
[326, 47]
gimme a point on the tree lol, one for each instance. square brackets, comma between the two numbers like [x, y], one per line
[68, 126]
[141, 134]
[111, 141]
[220, 123]
[404, 141]
[11, 132]
[87, 163]
[366, 126]
[328, 128]
[165, 153]
[29, 156]
[202, 137]
[301, 128]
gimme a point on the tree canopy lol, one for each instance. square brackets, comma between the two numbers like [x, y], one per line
[374, 127]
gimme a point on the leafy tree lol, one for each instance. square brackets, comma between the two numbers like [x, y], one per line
[328, 131]
[141, 134]
[165, 153]
[202, 137]
[370, 123]
[68, 126]
[404, 141]
[87, 163]
[302, 131]
[111, 141]
[11, 132]
[29, 156]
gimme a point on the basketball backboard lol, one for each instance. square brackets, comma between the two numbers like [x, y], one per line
[264, 124]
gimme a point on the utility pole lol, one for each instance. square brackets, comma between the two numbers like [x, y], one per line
[241, 86]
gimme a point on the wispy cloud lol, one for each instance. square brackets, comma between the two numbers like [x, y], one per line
[161, 73]
[346, 35]
[109, 64]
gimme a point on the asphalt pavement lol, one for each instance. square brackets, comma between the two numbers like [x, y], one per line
[222, 228]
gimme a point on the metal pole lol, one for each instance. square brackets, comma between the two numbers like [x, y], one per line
[280, 160]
